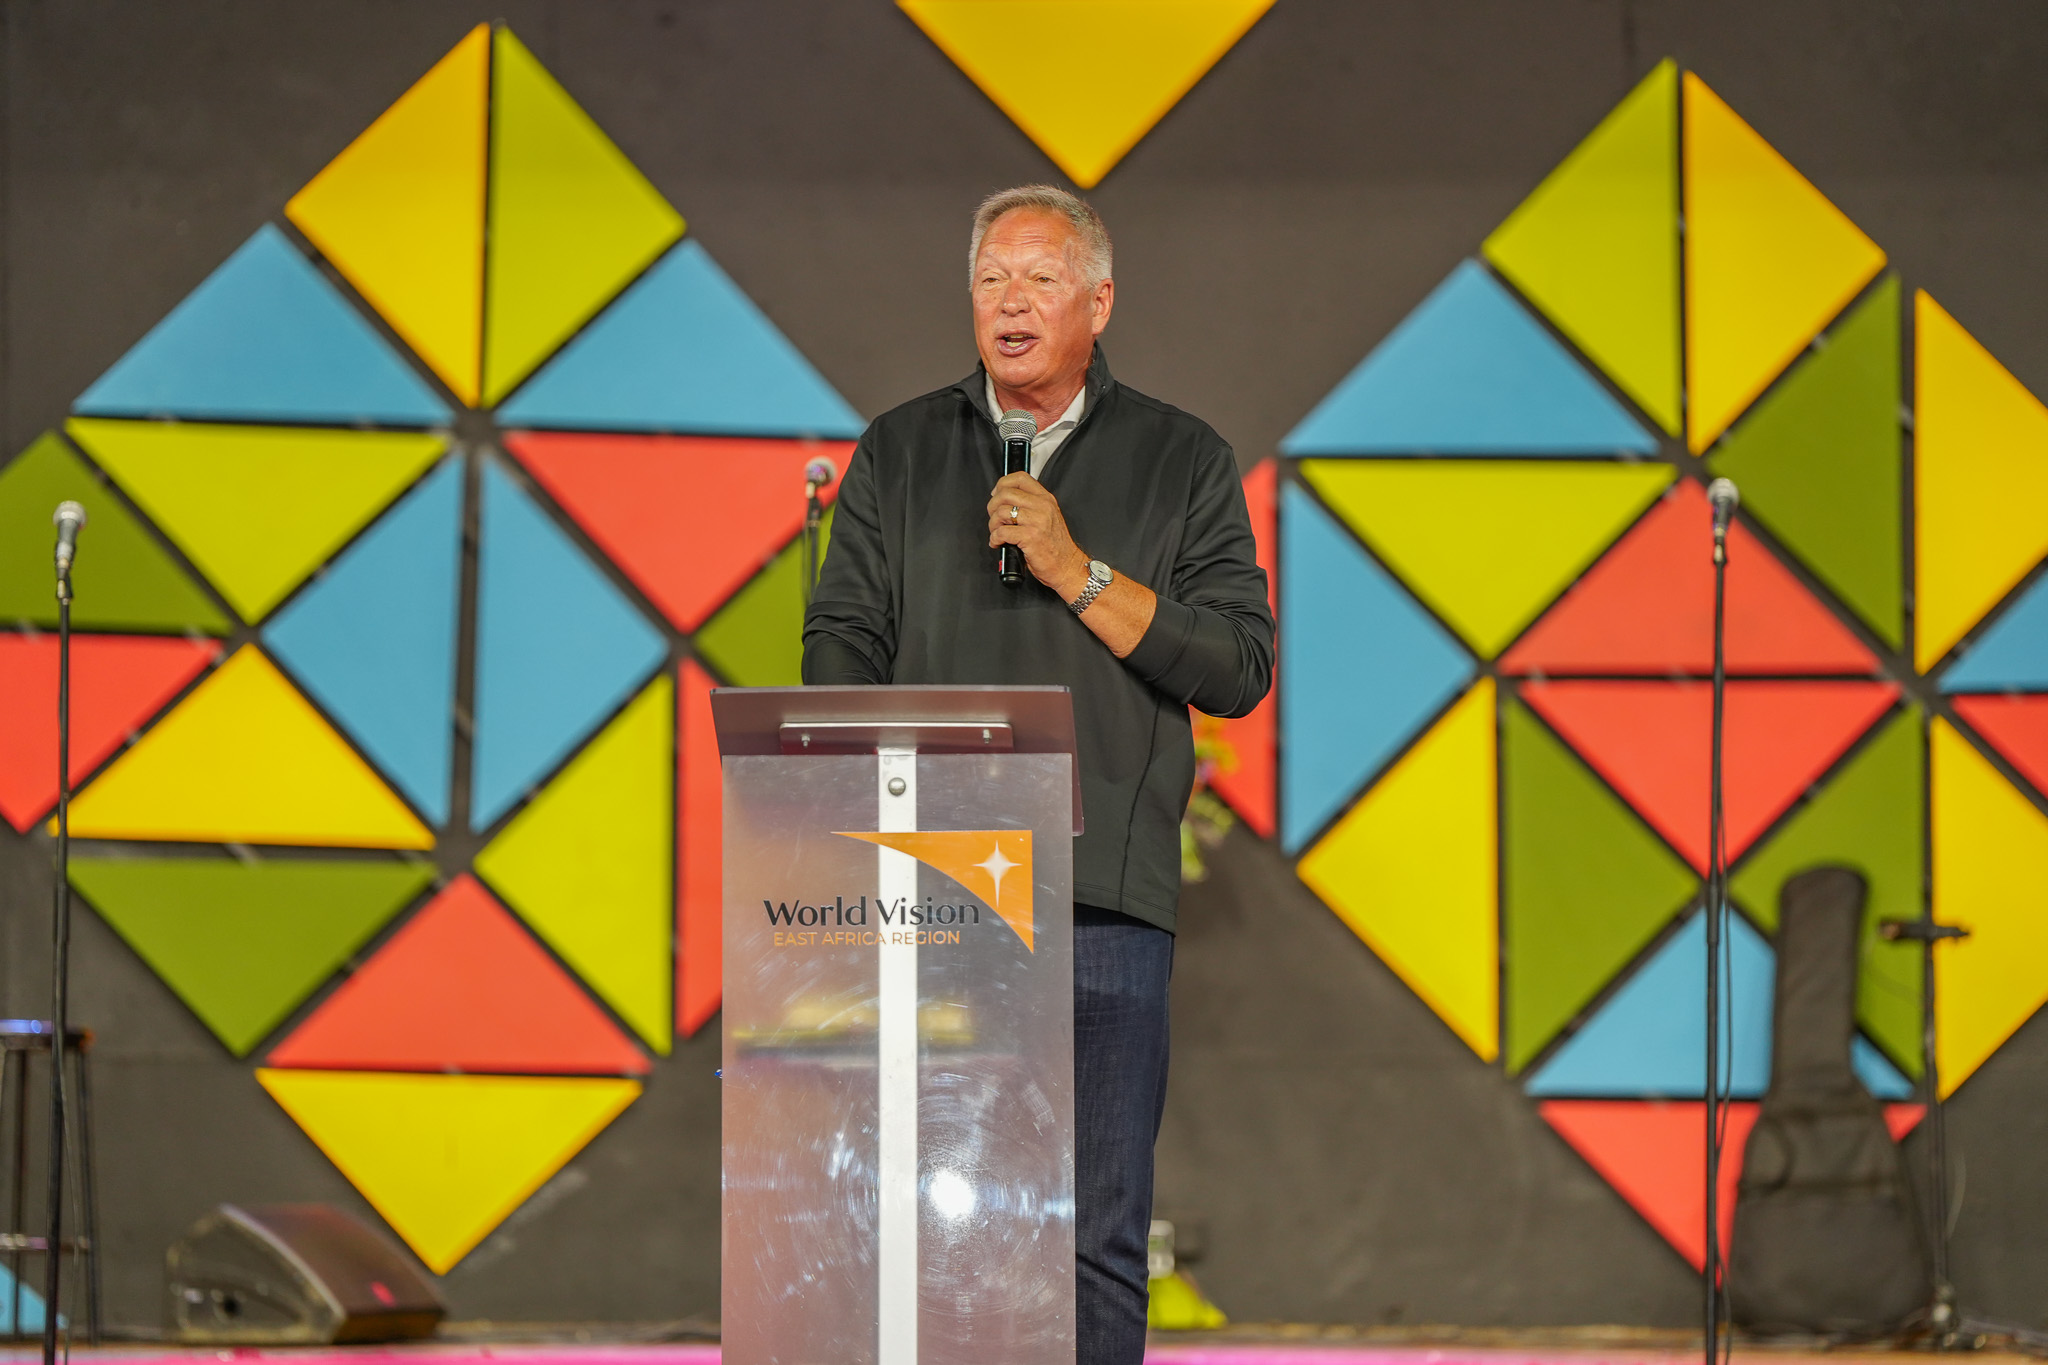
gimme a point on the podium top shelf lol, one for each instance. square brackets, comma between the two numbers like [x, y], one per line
[938, 719]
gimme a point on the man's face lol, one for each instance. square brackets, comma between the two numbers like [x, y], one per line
[1035, 318]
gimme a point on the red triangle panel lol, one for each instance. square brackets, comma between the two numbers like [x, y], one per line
[1652, 741]
[462, 987]
[700, 843]
[1250, 787]
[1901, 1119]
[1654, 1153]
[1648, 607]
[689, 519]
[2015, 726]
[117, 683]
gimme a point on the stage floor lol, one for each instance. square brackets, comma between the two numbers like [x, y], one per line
[1175, 1351]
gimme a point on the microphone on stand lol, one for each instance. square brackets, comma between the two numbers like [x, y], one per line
[68, 519]
[1724, 498]
[1016, 427]
[818, 475]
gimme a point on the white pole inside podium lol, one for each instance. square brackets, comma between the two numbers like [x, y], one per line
[896, 1262]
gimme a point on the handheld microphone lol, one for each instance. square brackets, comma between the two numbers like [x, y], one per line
[1016, 427]
[1724, 497]
[68, 518]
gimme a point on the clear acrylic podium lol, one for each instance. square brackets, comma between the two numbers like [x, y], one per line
[898, 1020]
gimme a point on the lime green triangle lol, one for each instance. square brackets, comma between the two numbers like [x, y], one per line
[587, 864]
[1596, 246]
[1868, 818]
[757, 638]
[571, 219]
[1486, 543]
[243, 943]
[124, 580]
[1818, 461]
[257, 509]
[1585, 884]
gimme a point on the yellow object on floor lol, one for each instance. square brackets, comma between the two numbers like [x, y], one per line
[1177, 1305]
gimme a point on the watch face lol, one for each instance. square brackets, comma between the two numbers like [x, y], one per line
[1098, 571]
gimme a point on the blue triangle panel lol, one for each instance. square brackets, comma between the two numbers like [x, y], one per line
[1469, 372]
[373, 638]
[1362, 667]
[31, 1307]
[683, 350]
[1879, 1076]
[2013, 654]
[1650, 1039]
[264, 338]
[557, 649]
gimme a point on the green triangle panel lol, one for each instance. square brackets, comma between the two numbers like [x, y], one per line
[1868, 818]
[124, 579]
[1595, 246]
[1819, 461]
[243, 943]
[1585, 884]
[757, 639]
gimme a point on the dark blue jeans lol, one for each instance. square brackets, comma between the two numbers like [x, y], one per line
[1121, 970]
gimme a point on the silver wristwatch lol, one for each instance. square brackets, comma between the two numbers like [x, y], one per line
[1099, 575]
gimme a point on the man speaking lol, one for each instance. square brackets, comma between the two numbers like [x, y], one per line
[1138, 589]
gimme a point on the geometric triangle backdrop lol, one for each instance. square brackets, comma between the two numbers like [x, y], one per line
[456, 633]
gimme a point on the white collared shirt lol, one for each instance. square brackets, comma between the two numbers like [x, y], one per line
[1048, 441]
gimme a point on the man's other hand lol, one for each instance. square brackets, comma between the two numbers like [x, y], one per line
[1040, 531]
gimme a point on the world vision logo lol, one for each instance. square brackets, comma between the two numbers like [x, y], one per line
[994, 864]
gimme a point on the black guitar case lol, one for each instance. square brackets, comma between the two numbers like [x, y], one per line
[1826, 1237]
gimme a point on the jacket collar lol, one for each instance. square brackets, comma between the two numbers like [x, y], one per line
[1099, 383]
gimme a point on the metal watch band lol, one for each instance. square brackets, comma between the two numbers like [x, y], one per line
[1088, 595]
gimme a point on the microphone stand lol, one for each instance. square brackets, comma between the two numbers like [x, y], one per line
[814, 515]
[60, 970]
[1716, 911]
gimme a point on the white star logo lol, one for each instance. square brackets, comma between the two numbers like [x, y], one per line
[996, 865]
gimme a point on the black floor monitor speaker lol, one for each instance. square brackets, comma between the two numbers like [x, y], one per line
[285, 1273]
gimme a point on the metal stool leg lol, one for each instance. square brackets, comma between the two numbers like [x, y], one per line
[14, 1069]
[85, 1186]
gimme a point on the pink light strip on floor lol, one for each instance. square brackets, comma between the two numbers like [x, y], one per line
[1175, 1353]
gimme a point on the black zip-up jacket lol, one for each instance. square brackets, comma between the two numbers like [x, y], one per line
[909, 594]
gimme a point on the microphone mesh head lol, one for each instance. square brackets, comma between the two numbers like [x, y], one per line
[821, 471]
[1017, 425]
[68, 511]
[1724, 491]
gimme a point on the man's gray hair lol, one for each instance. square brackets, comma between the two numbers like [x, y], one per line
[1091, 239]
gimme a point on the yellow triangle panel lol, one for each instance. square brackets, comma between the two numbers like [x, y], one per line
[588, 863]
[1980, 481]
[1596, 246]
[445, 1159]
[401, 212]
[1411, 869]
[257, 509]
[245, 759]
[571, 220]
[1990, 849]
[1768, 261]
[1141, 57]
[1487, 544]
